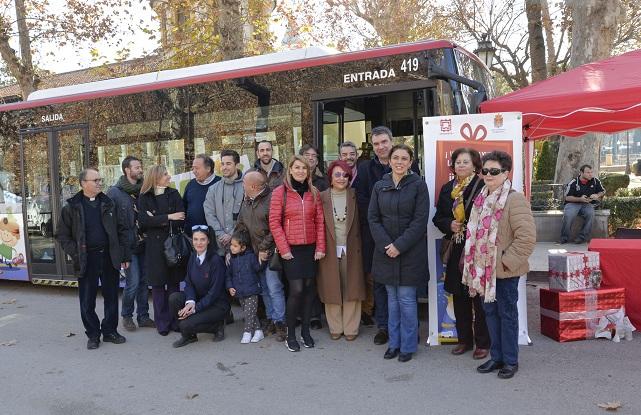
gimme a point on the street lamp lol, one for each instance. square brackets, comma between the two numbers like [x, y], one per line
[486, 50]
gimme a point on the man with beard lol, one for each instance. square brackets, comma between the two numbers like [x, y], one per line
[269, 165]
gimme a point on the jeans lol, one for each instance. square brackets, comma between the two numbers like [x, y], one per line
[380, 304]
[403, 318]
[136, 288]
[273, 295]
[570, 212]
[502, 318]
[99, 268]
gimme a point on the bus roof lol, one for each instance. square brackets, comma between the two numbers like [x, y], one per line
[250, 66]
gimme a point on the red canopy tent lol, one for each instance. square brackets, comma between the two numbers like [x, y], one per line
[601, 97]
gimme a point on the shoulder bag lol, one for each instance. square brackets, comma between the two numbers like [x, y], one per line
[177, 248]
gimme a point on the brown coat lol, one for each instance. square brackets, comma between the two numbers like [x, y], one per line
[516, 237]
[328, 278]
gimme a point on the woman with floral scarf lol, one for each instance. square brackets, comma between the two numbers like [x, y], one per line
[452, 211]
[500, 238]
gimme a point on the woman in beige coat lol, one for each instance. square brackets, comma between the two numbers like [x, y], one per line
[500, 237]
[341, 282]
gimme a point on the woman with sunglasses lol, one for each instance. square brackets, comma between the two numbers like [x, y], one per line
[159, 207]
[398, 214]
[202, 307]
[341, 282]
[296, 222]
[452, 212]
[500, 238]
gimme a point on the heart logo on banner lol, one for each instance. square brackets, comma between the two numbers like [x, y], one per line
[479, 134]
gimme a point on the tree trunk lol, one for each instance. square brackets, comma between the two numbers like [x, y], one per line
[536, 43]
[594, 24]
[549, 38]
[20, 68]
[230, 28]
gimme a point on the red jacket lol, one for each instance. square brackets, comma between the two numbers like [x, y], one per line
[304, 223]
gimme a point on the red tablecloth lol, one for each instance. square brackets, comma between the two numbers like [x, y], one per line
[621, 267]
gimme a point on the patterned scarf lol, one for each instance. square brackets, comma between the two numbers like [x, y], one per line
[458, 207]
[479, 261]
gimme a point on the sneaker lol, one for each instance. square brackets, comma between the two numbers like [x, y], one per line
[308, 341]
[247, 337]
[115, 338]
[146, 322]
[258, 336]
[184, 341]
[292, 345]
[93, 343]
[128, 324]
[281, 331]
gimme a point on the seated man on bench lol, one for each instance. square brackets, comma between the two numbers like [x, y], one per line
[582, 195]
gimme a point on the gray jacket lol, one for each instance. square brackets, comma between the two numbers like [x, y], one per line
[222, 205]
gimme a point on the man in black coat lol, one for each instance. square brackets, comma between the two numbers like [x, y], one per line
[370, 172]
[91, 233]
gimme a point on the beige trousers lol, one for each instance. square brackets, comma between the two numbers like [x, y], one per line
[343, 318]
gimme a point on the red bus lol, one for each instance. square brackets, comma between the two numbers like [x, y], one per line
[313, 95]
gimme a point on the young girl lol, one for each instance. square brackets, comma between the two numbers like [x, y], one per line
[243, 282]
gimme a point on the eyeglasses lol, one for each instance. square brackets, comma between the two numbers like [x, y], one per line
[493, 171]
[339, 174]
[97, 181]
[200, 227]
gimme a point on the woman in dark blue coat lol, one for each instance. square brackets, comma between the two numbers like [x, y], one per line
[398, 214]
[202, 307]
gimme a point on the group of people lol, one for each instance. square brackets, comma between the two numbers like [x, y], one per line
[354, 240]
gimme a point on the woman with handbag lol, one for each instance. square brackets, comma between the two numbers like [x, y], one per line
[452, 212]
[341, 281]
[160, 210]
[296, 222]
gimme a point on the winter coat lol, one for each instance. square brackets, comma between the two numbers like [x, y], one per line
[320, 181]
[303, 223]
[71, 232]
[369, 172]
[156, 230]
[399, 215]
[275, 176]
[516, 237]
[242, 274]
[205, 283]
[254, 216]
[328, 279]
[221, 213]
[443, 220]
[126, 204]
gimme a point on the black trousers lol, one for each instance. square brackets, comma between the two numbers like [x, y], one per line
[99, 269]
[470, 321]
[204, 321]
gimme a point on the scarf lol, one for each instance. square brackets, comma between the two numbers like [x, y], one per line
[479, 260]
[458, 207]
[127, 187]
[299, 187]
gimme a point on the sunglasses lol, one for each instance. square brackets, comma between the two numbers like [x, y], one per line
[339, 174]
[200, 227]
[492, 172]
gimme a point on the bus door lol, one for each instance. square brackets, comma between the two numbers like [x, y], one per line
[351, 118]
[51, 159]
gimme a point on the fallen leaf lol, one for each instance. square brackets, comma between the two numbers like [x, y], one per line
[12, 301]
[191, 395]
[610, 406]
[71, 334]
[9, 343]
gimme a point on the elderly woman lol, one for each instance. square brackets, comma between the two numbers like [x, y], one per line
[296, 222]
[398, 214]
[202, 307]
[500, 237]
[160, 207]
[341, 282]
[452, 211]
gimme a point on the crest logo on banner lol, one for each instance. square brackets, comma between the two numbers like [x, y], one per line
[443, 135]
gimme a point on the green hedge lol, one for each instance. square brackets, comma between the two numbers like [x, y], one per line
[624, 212]
[546, 163]
[614, 182]
[636, 192]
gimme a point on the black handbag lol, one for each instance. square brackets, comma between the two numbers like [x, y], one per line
[177, 248]
[275, 262]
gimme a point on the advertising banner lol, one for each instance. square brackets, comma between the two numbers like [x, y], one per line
[443, 135]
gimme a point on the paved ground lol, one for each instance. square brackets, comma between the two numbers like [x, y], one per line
[46, 372]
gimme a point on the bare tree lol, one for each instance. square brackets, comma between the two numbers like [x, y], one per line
[536, 43]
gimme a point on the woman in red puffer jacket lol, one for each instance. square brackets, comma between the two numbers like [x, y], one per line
[299, 234]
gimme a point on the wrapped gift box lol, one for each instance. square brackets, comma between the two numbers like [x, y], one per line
[568, 316]
[573, 271]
